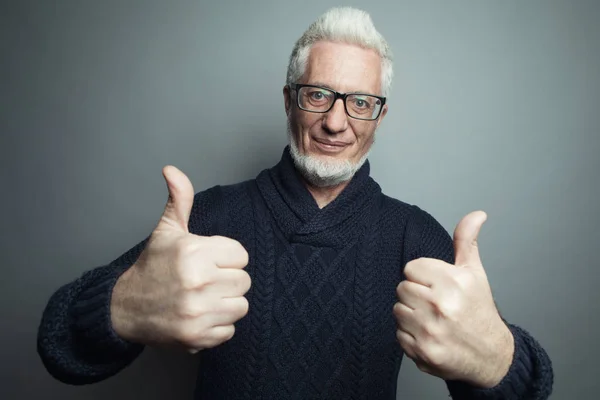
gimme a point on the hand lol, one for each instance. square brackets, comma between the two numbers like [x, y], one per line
[184, 289]
[447, 320]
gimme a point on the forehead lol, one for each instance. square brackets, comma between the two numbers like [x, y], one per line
[344, 67]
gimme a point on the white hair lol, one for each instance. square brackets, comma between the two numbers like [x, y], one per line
[347, 25]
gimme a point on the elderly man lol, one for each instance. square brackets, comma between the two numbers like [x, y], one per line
[306, 282]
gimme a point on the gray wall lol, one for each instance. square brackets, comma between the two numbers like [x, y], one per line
[495, 107]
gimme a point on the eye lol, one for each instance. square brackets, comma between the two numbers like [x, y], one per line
[361, 103]
[317, 95]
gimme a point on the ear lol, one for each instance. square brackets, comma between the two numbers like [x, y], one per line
[287, 99]
[383, 112]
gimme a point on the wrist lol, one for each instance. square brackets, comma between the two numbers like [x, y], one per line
[122, 321]
[500, 360]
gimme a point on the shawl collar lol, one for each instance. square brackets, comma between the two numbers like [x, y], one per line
[299, 217]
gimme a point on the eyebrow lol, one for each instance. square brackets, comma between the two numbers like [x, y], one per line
[323, 84]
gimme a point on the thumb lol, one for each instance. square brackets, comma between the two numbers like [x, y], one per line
[181, 198]
[466, 250]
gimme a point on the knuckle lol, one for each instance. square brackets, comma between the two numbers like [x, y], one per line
[431, 355]
[190, 309]
[243, 307]
[412, 267]
[187, 283]
[464, 279]
[194, 278]
[187, 339]
[401, 288]
[185, 246]
[219, 335]
[232, 247]
[409, 267]
[228, 333]
[431, 331]
[449, 309]
[186, 336]
[238, 250]
[245, 282]
[222, 242]
[398, 311]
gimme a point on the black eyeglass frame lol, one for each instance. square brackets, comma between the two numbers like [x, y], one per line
[338, 95]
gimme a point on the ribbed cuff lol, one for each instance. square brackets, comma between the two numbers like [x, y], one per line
[516, 383]
[93, 325]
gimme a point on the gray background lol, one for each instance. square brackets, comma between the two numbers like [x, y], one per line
[495, 107]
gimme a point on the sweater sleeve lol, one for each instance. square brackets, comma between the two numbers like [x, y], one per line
[530, 375]
[76, 341]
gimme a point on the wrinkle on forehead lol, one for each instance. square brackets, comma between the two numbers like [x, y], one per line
[344, 67]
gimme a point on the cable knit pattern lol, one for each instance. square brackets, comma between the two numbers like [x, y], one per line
[261, 297]
[364, 289]
[320, 322]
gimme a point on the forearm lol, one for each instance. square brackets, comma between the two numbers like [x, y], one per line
[76, 341]
[530, 375]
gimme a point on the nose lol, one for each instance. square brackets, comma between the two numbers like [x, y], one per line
[336, 119]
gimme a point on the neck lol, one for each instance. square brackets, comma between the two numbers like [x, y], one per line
[325, 195]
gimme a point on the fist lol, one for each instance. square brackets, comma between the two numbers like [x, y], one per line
[446, 316]
[184, 289]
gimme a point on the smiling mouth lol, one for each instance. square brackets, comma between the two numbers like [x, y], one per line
[330, 146]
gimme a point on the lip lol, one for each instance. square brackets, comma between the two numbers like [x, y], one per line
[335, 143]
[329, 146]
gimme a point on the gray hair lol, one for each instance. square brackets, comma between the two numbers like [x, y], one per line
[346, 25]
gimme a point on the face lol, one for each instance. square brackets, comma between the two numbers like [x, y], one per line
[334, 137]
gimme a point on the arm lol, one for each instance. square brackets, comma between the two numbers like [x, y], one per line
[76, 340]
[530, 374]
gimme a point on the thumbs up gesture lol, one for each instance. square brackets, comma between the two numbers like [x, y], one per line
[446, 316]
[184, 289]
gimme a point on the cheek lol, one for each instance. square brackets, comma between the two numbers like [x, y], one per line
[364, 133]
[308, 123]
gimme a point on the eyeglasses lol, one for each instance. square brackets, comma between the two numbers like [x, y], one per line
[318, 99]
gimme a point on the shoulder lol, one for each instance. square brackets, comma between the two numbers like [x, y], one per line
[234, 191]
[416, 217]
[213, 207]
[392, 208]
[423, 235]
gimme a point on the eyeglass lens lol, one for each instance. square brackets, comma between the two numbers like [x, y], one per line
[320, 100]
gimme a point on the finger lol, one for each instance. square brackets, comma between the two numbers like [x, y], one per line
[466, 249]
[214, 337]
[407, 342]
[425, 271]
[230, 282]
[406, 319]
[227, 253]
[414, 295]
[222, 333]
[229, 311]
[179, 204]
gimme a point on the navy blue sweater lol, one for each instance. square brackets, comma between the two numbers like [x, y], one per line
[320, 322]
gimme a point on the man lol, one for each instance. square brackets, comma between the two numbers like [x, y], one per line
[306, 282]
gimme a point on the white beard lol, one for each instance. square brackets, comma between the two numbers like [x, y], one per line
[322, 173]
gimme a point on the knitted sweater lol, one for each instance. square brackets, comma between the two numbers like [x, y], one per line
[320, 322]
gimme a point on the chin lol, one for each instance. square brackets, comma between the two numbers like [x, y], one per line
[322, 169]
